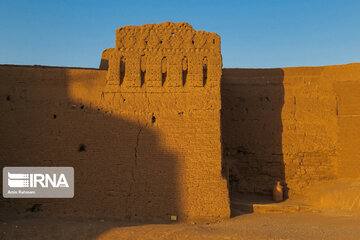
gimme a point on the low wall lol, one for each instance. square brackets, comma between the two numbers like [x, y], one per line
[298, 125]
[138, 155]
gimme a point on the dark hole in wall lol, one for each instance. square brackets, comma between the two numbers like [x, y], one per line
[54, 116]
[82, 106]
[35, 208]
[82, 148]
[163, 70]
[184, 70]
[184, 77]
[142, 69]
[153, 119]
[8, 98]
[142, 76]
[122, 69]
[205, 69]
[204, 74]
[163, 78]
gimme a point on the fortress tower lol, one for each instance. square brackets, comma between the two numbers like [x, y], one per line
[167, 77]
[142, 134]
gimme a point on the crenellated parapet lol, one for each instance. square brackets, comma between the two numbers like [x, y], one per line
[163, 55]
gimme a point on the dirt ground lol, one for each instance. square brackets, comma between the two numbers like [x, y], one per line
[247, 226]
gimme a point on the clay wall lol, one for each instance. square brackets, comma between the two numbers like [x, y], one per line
[144, 139]
[144, 155]
[294, 125]
[274, 127]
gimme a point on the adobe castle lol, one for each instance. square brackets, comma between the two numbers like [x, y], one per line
[162, 130]
[160, 155]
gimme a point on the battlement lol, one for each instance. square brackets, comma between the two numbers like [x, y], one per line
[163, 55]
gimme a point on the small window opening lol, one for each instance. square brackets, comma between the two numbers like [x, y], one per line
[184, 70]
[82, 148]
[142, 69]
[205, 69]
[122, 69]
[35, 208]
[163, 71]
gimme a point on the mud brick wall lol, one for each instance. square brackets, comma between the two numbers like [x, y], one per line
[146, 137]
[251, 128]
[299, 126]
[143, 136]
[346, 84]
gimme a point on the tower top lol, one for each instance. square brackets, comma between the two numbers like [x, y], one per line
[163, 55]
[167, 35]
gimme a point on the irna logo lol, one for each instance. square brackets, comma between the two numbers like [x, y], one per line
[38, 182]
[20, 180]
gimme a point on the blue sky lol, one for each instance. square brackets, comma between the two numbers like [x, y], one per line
[255, 34]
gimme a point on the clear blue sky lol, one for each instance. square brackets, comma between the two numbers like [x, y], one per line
[254, 33]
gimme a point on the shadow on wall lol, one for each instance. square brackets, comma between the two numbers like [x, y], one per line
[252, 101]
[43, 126]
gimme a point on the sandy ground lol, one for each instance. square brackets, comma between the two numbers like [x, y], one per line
[247, 226]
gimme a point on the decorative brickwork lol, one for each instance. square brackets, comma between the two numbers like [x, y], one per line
[164, 55]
